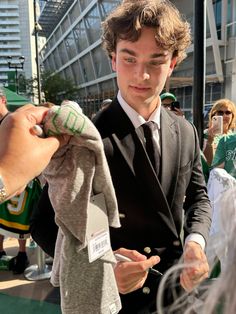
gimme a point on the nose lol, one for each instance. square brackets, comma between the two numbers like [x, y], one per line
[146, 76]
[142, 73]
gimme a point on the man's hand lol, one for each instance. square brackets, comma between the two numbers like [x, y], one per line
[23, 155]
[131, 276]
[196, 266]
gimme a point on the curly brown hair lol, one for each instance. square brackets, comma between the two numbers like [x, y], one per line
[128, 19]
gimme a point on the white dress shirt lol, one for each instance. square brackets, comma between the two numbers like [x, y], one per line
[137, 120]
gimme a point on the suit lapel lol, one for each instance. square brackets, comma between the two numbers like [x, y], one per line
[170, 154]
[122, 133]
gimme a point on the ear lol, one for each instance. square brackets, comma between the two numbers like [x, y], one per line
[113, 61]
[172, 65]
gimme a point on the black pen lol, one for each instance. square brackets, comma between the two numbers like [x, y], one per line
[122, 258]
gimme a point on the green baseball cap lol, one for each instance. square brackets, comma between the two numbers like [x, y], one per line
[168, 95]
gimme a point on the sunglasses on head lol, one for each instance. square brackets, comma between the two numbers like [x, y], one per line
[221, 112]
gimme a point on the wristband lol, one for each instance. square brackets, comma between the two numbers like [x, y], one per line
[3, 193]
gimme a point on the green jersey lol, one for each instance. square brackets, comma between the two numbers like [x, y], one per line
[226, 153]
[15, 213]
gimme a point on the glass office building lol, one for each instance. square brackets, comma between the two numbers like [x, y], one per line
[73, 49]
[16, 40]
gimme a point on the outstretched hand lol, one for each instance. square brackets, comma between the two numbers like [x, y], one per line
[23, 155]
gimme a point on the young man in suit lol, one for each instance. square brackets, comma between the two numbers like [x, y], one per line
[145, 40]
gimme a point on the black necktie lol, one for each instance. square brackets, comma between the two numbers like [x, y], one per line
[151, 147]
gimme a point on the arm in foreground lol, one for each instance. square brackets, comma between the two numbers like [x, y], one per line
[23, 155]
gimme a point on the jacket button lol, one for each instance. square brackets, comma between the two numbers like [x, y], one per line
[122, 215]
[146, 290]
[147, 250]
[176, 243]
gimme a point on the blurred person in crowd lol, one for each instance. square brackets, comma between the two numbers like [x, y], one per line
[227, 109]
[14, 222]
[169, 101]
[3, 106]
[225, 155]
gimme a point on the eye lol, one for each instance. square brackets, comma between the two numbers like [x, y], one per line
[130, 60]
[156, 62]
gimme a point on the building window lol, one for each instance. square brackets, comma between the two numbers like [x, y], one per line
[71, 45]
[87, 69]
[80, 36]
[93, 24]
[217, 6]
[62, 53]
[107, 6]
[74, 12]
[84, 3]
[78, 77]
[65, 24]
[101, 62]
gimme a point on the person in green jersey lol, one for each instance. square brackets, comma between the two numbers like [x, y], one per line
[225, 156]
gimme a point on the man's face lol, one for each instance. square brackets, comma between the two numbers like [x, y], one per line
[167, 102]
[142, 69]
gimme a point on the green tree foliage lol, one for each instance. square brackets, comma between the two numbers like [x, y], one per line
[53, 87]
[56, 88]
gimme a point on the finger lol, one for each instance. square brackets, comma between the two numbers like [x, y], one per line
[131, 285]
[32, 114]
[36, 115]
[132, 254]
[52, 143]
[201, 268]
[142, 267]
[190, 281]
[152, 261]
[25, 107]
[185, 283]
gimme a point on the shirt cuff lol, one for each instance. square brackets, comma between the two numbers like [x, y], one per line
[198, 238]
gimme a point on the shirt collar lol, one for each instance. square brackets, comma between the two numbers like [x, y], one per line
[136, 119]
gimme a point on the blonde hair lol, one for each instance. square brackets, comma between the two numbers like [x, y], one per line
[128, 19]
[227, 104]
